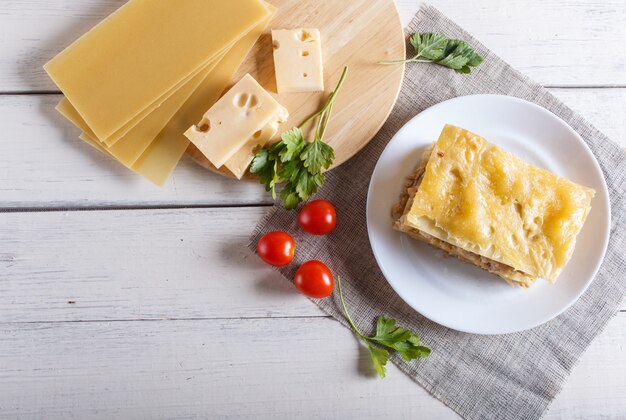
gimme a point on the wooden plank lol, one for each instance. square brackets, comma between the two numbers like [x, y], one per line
[141, 264]
[254, 368]
[556, 42]
[604, 108]
[43, 164]
[593, 385]
[106, 265]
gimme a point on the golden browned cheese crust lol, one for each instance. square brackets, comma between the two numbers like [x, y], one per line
[490, 202]
[399, 211]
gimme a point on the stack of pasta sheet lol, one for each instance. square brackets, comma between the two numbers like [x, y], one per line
[135, 82]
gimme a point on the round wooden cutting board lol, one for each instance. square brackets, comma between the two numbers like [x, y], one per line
[356, 33]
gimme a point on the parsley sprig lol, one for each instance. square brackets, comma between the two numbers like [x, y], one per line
[388, 336]
[295, 161]
[435, 47]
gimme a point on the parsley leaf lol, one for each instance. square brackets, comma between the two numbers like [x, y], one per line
[387, 333]
[431, 45]
[317, 155]
[410, 348]
[266, 168]
[460, 56]
[260, 161]
[435, 47]
[290, 197]
[308, 184]
[290, 171]
[388, 336]
[293, 141]
[399, 339]
[296, 162]
[379, 359]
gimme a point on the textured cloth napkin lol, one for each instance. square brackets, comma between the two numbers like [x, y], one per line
[505, 376]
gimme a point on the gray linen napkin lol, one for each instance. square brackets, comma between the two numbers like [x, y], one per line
[506, 376]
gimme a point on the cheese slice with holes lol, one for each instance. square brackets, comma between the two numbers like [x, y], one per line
[298, 60]
[228, 125]
[239, 162]
[489, 202]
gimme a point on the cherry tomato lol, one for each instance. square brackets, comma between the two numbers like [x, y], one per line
[276, 248]
[314, 279]
[318, 217]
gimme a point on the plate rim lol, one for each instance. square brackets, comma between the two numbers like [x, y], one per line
[605, 198]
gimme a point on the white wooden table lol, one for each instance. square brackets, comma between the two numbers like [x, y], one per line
[119, 299]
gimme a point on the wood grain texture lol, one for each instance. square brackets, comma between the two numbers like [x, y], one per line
[556, 42]
[141, 264]
[43, 164]
[255, 368]
[68, 267]
[357, 35]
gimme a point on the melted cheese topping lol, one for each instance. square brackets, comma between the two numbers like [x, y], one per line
[480, 198]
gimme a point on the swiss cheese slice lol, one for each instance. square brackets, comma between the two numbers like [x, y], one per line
[239, 115]
[128, 61]
[239, 162]
[298, 60]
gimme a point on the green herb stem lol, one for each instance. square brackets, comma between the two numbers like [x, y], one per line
[389, 337]
[330, 101]
[409, 60]
[345, 311]
[326, 118]
[295, 161]
[437, 48]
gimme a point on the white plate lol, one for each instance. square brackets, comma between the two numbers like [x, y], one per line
[459, 295]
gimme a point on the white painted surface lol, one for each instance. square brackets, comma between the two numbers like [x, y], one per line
[172, 317]
[556, 42]
[44, 164]
[138, 264]
[243, 368]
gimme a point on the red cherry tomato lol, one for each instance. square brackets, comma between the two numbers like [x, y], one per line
[314, 279]
[276, 248]
[318, 217]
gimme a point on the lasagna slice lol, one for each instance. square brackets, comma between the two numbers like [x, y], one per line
[489, 208]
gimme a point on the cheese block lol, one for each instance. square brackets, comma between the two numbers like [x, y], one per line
[298, 60]
[239, 162]
[239, 115]
[128, 61]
